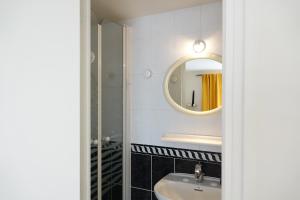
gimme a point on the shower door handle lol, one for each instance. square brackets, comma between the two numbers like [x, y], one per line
[106, 139]
[109, 138]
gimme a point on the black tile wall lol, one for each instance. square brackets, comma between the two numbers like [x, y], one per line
[153, 196]
[148, 169]
[141, 171]
[117, 192]
[188, 166]
[140, 194]
[106, 196]
[161, 166]
[212, 169]
[185, 166]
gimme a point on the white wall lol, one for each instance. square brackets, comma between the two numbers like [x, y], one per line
[157, 41]
[272, 96]
[39, 104]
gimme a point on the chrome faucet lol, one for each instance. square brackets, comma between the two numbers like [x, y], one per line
[199, 173]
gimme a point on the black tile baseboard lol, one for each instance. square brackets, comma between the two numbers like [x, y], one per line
[151, 163]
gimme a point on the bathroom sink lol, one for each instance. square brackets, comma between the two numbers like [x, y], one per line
[177, 186]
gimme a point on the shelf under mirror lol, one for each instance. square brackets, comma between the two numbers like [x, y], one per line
[192, 139]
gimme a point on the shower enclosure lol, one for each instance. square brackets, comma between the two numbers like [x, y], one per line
[107, 111]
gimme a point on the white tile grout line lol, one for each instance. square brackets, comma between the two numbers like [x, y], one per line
[174, 166]
[141, 189]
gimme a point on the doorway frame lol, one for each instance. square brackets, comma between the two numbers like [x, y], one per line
[232, 114]
[85, 96]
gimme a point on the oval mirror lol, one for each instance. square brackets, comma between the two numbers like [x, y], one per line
[194, 84]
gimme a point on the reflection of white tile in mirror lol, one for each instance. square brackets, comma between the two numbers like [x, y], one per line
[175, 86]
[203, 66]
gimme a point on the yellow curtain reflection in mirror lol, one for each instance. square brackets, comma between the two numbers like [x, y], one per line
[211, 91]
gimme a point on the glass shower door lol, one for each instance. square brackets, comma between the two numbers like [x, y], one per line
[110, 122]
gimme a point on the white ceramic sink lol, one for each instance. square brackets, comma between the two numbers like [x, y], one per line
[177, 186]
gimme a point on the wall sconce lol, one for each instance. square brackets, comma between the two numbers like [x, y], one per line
[199, 46]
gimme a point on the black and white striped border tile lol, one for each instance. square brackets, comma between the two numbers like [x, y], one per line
[111, 167]
[204, 156]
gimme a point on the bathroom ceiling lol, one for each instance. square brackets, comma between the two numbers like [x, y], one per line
[125, 9]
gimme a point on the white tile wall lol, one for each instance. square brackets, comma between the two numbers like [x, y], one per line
[155, 43]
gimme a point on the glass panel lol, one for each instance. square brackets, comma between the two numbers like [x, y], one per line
[112, 110]
[94, 108]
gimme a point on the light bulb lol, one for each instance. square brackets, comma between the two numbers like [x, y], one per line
[199, 46]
